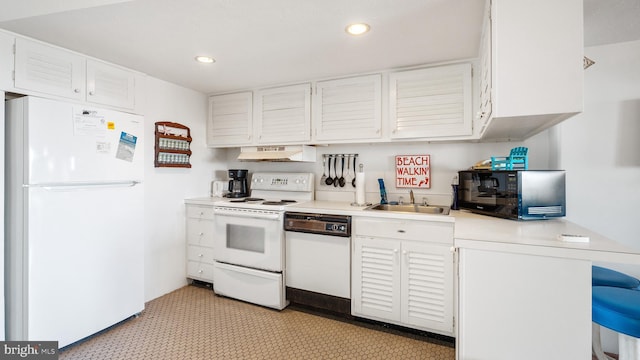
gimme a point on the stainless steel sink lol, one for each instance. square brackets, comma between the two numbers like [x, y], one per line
[411, 208]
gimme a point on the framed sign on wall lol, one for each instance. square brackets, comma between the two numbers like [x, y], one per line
[413, 171]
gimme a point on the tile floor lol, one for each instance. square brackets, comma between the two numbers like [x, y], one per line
[193, 323]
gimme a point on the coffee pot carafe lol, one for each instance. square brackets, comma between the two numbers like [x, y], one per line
[238, 183]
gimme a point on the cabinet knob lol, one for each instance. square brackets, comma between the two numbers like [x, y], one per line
[200, 271]
[77, 91]
[199, 255]
[201, 233]
[91, 93]
[401, 231]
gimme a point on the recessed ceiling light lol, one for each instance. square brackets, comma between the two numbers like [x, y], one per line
[205, 59]
[357, 29]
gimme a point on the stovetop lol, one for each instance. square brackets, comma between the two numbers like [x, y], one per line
[258, 203]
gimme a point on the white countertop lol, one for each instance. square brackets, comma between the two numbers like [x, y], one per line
[485, 232]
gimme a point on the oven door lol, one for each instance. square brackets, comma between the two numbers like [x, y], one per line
[249, 237]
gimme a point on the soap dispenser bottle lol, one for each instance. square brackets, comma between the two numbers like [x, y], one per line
[383, 192]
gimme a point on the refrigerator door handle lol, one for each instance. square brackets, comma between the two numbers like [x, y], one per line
[84, 185]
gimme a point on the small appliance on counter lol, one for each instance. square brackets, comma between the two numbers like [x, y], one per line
[513, 194]
[238, 185]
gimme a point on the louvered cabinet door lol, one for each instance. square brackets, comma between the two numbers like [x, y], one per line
[376, 278]
[427, 286]
[230, 119]
[283, 115]
[110, 85]
[431, 103]
[348, 109]
[49, 70]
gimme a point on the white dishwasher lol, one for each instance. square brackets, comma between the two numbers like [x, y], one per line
[318, 258]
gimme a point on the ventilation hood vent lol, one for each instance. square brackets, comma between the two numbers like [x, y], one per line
[304, 153]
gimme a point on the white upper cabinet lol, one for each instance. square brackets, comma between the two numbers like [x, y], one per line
[431, 103]
[230, 119]
[484, 70]
[7, 61]
[348, 109]
[536, 54]
[50, 70]
[283, 115]
[110, 85]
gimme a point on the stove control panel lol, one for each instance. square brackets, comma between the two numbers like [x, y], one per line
[282, 181]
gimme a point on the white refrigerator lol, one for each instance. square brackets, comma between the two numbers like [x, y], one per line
[74, 235]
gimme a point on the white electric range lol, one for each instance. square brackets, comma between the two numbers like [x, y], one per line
[249, 241]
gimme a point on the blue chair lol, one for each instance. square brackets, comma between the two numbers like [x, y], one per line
[517, 160]
[618, 309]
[606, 277]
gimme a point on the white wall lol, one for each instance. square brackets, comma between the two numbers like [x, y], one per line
[600, 149]
[378, 159]
[166, 188]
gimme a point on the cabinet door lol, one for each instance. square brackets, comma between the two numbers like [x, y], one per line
[520, 306]
[537, 74]
[431, 103]
[49, 70]
[376, 278]
[230, 119]
[485, 94]
[348, 109]
[110, 85]
[427, 286]
[283, 115]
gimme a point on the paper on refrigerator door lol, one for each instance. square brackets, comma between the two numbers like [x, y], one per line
[88, 123]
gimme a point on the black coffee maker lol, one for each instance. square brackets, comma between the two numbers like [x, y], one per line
[238, 185]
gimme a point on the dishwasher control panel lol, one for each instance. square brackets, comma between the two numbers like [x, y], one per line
[335, 225]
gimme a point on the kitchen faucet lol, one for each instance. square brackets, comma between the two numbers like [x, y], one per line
[412, 200]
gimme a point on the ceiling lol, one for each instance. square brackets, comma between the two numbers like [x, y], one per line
[259, 43]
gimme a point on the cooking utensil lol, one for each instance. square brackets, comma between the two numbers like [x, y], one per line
[324, 169]
[341, 180]
[348, 179]
[335, 170]
[353, 182]
[329, 180]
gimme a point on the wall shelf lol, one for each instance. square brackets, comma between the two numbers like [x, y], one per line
[173, 145]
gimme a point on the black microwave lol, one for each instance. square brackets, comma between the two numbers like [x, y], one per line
[513, 194]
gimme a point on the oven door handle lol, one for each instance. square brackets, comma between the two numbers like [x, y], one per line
[247, 213]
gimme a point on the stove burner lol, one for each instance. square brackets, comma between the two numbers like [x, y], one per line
[245, 200]
[281, 202]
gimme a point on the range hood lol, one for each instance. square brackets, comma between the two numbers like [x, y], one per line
[304, 153]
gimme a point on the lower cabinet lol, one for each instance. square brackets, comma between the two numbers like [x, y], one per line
[521, 306]
[200, 242]
[404, 274]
